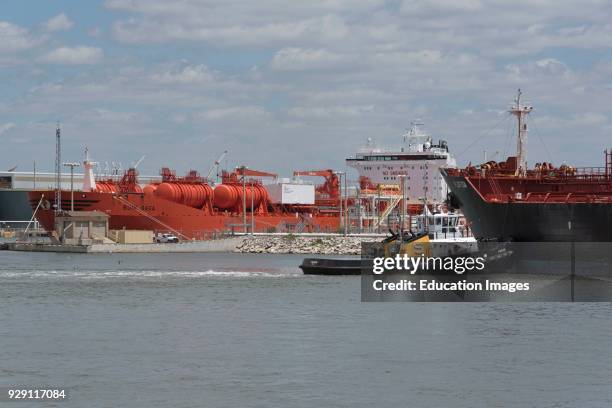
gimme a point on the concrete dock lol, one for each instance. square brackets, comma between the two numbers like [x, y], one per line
[257, 243]
[218, 245]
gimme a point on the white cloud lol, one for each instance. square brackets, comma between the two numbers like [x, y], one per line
[319, 29]
[589, 118]
[324, 112]
[235, 113]
[493, 26]
[15, 38]
[291, 58]
[5, 127]
[61, 22]
[190, 74]
[439, 6]
[73, 55]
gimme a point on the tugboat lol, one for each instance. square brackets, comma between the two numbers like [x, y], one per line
[443, 229]
[403, 243]
[507, 201]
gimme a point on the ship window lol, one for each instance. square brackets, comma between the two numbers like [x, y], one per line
[5, 182]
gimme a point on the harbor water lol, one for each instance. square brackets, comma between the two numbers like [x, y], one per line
[247, 330]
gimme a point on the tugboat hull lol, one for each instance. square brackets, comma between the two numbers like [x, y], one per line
[331, 266]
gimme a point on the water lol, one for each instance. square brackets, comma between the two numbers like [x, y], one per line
[230, 330]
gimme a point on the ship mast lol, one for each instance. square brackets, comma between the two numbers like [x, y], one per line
[521, 113]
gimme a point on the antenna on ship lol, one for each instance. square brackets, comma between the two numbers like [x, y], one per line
[414, 129]
[521, 112]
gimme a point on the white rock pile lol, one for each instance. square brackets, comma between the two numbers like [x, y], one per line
[294, 244]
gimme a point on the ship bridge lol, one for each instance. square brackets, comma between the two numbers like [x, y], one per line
[417, 161]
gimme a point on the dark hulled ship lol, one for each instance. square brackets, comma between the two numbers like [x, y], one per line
[507, 201]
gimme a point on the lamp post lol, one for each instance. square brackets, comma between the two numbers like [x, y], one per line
[347, 220]
[402, 178]
[342, 220]
[252, 208]
[244, 219]
[72, 165]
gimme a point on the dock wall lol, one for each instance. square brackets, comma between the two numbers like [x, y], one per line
[259, 243]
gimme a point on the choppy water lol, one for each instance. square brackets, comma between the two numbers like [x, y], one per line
[219, 330]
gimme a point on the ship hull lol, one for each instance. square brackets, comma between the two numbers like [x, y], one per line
[137, 211]
[14, 208]
[531, 221]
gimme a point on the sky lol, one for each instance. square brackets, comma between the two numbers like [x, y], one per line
[299, 85]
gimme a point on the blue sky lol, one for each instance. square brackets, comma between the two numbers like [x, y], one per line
[285, 85]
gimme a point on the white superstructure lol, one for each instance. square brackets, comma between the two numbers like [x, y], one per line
[287, 191]
[418, 160]
[28, 180]
[89, 180]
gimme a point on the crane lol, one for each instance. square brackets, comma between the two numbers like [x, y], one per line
[244, 171]
[216, 163]
[331, 187]
[135, 166]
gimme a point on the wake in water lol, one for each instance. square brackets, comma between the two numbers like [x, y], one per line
[148, 274]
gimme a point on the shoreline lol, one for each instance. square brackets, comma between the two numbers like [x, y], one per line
[315, 244]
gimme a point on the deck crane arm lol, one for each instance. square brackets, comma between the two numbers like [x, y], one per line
[243, 171]
[135, 166]
[331, 187]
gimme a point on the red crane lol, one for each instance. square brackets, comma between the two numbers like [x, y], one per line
[243, 171]
[330, 190]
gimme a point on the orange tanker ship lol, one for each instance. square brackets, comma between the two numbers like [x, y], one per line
[191, 208]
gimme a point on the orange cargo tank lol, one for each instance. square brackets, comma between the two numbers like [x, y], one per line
[230, 196]
[192, 195]
[149, 189]
[106, 187]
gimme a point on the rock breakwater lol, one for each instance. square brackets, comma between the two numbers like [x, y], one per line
[295, 244]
